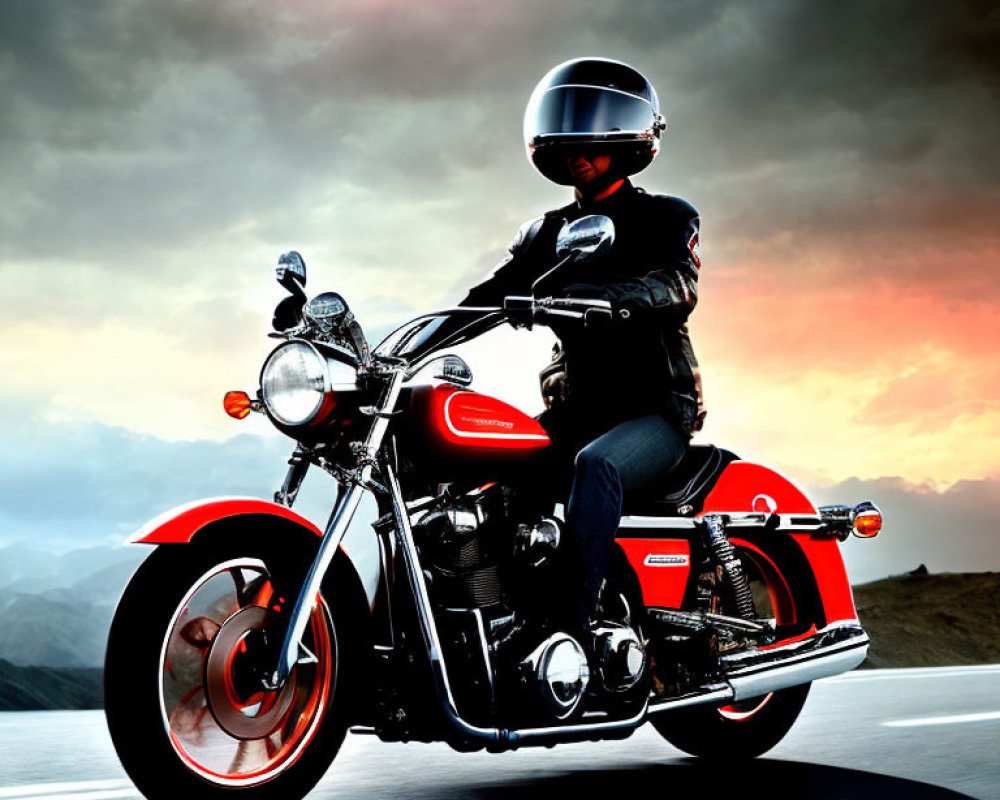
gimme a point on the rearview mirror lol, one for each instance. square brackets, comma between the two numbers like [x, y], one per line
[291, 275]
[586, 237]
[291, 268]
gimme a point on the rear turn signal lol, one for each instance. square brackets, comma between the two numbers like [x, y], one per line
[237, 404]
[867, 520]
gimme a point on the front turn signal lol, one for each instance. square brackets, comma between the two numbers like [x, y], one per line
[237, 404]
[867, 520]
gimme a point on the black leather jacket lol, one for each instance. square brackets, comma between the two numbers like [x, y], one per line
[643, 361]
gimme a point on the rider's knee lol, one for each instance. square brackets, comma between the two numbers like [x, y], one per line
[591, 465]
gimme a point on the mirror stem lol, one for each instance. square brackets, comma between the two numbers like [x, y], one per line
[539, 286]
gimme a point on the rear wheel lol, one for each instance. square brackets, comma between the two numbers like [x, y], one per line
[750, 727]
[183, 699]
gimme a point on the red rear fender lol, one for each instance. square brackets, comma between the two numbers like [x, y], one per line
[743, 482]
[179, 525]
[745, 487]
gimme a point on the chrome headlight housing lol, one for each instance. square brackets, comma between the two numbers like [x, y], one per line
[299, 384]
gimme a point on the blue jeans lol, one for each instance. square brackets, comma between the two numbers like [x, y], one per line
[633, 456]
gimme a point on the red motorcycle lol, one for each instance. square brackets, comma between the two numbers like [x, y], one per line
[250, 641]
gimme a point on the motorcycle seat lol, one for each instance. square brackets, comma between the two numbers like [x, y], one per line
[684, 491]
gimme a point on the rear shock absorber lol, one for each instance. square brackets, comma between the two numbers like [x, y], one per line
[734, 578]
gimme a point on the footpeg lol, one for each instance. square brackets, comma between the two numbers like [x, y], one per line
[695, 621]
[536, 543]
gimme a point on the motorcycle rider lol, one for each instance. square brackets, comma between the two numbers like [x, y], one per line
[623, 398]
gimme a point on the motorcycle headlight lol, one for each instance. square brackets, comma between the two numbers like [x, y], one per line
[295, 384]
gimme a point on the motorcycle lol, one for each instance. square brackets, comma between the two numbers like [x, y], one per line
[250, 641]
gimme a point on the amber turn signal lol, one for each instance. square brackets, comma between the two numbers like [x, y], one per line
[237, 404]
[867, 521]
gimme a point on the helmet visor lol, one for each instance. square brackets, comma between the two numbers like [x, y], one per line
[586, 111]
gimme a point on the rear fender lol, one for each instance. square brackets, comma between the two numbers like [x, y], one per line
[742, 488]
[660, 549]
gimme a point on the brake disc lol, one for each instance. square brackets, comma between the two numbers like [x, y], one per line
[241, 713]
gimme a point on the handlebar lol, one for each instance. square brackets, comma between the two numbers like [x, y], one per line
[518, 311]
[543, 311]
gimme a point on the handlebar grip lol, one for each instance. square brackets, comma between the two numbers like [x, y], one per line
[598, 316]
[515, 304]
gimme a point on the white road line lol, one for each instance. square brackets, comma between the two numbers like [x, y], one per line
[951, 720]
[76, 789]
[111, 794]
[914, 673]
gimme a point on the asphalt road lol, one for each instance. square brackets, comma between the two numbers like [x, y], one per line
[916, 734]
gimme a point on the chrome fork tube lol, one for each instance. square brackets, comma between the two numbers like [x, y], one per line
[306, 601]
[340, 519]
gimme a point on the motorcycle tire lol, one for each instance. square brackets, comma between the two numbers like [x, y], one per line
[741, 731]
[782, 588]
[183, 716]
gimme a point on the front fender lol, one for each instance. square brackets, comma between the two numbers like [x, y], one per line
[181, 524]
[226, 516]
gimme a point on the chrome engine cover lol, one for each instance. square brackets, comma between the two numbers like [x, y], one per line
[620, 656]
[559, 671]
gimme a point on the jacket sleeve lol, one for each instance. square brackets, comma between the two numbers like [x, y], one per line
[507, 277]
[670, 290]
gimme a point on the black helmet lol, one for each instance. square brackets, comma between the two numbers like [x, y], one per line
[587, 102]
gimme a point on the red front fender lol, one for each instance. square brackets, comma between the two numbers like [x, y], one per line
[179, 525]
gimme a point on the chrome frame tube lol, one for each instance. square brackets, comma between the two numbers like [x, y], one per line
[439, 669]
[583, 730]
[428, 628]
[340, 519]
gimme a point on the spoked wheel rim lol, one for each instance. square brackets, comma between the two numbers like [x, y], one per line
[772, 598]
[220, 723]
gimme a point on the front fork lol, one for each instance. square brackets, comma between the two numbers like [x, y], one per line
[357, 481]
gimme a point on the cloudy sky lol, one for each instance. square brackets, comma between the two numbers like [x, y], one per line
[156, 157]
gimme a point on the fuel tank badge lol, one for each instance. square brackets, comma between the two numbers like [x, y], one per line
[666, 560]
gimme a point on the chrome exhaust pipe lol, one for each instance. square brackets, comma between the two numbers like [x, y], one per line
[830, 652]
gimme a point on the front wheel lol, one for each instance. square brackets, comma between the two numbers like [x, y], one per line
[184, 706]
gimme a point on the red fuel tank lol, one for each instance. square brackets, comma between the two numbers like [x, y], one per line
[456, 423]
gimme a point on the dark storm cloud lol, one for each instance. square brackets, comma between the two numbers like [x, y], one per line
[139, 136]
[858, 130]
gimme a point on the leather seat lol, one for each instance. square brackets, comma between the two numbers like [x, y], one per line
[686, 487]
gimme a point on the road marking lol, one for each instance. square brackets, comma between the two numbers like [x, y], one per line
[77, 790]
[111, 794]
[956, 718]
[914, 673]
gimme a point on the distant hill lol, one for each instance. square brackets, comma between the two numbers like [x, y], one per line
[38, 688]
[56, 611]
[924, 620]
